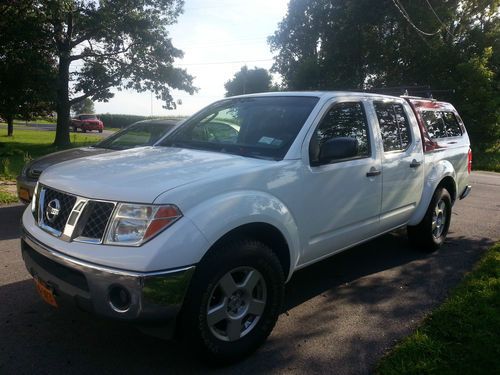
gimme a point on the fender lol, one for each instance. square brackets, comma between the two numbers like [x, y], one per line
[221, 214]
[433, 178]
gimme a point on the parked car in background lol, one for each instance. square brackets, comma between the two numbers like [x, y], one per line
[143, 133]
[87, 123]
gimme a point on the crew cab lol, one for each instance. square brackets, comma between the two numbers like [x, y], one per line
[86, 123]
[202, 232]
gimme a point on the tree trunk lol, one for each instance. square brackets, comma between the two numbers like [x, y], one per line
[10, 125]
[63, 105]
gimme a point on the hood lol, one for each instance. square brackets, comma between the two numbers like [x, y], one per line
[141, 174]
[37, 166]
[91, 121]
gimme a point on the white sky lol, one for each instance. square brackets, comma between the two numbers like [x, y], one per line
[218, 37]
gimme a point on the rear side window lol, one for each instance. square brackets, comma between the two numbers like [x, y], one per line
[452, 126]
[441, 124]
[394, 126]
[434, 123]
[342, 120]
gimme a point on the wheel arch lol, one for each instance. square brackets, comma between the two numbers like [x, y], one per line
[264, 232]
[441, 175]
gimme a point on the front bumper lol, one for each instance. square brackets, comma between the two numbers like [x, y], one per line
[154, 296]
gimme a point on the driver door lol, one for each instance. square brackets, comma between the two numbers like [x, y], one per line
[342, 198]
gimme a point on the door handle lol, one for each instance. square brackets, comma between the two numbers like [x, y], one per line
[415, 164]
[373, 172]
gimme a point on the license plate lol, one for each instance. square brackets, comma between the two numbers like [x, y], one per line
[45, 292]
[24, 194]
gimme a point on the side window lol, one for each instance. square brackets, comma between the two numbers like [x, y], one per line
[452, 126]
[434, 124]
[342, 120]
[394, 126]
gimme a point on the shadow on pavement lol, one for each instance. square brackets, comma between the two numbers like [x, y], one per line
[10, 218]
[381, 282]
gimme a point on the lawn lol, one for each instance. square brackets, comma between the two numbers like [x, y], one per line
[488, 160]
[25, 145]
[463, 335]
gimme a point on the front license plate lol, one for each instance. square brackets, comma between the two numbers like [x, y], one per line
[24, 194]
[45, 292]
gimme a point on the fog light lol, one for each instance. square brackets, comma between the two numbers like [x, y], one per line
[119, 298]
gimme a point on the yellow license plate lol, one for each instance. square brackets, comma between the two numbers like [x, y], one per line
[45, 292]
[24, 194]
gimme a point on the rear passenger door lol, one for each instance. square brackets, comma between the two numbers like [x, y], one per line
[402, 162]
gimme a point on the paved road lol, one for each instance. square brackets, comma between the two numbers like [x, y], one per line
[342, 314]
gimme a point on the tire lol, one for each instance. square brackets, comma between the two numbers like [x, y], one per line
[75, 129]
[430, 233]
[84, 130]
[100, 130]
[224, 329]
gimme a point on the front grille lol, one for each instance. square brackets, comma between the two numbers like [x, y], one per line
[98, 214]
[80, 219]
[65, 204]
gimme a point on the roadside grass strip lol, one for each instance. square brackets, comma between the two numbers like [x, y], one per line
[462, 336]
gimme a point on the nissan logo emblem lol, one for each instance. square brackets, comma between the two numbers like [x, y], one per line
[53, 208]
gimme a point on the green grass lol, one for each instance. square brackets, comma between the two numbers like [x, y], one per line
[25, 145]
[6, 197]
[462, 336]
[488, 160]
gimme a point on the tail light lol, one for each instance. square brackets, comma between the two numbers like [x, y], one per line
[469, 161]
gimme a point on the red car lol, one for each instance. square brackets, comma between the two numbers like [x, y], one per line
[87, 123]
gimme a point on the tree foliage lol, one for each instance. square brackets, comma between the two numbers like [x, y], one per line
[100, 45]
[449, 45]
[27, 69]
[248, 81]
[84, 106]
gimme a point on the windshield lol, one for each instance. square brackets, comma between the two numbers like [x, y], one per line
[88, 117]
[262, 127]
[136, 135]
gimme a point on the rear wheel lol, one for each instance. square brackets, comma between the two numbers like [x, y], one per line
[234, 301]
[431, 232]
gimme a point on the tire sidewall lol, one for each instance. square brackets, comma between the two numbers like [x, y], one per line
[441, 194]
[210, 271]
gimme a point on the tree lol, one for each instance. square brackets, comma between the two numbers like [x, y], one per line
[85, 106]
[248, 81]
[452, 46]
[27, 70]
[121, 44]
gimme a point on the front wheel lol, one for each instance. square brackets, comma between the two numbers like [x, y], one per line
[431, 232]
[234, 301]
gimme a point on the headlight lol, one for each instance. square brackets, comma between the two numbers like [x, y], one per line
[134, 224]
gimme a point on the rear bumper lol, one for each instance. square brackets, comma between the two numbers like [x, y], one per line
[154, 296]
[466, 192]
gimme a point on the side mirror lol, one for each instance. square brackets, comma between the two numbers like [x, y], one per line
[338, 148]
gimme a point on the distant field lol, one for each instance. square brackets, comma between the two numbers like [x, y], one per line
[25, 145]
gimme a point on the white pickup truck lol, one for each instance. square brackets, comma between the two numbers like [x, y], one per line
[205, 230]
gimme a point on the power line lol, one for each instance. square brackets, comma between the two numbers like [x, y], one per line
[407, 17]
[439, 19]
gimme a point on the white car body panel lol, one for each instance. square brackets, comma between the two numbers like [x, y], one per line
[319, 210]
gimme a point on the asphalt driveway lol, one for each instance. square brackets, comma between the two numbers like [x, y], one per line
[341, 314]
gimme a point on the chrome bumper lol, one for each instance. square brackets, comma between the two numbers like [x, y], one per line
[154, 296]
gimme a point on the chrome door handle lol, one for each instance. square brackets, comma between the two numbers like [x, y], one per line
[373, 172]
[415, 164]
